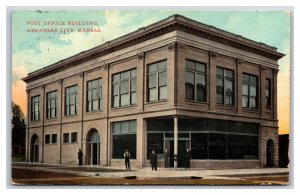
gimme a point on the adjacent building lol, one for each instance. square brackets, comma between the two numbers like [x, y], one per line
[175, 84]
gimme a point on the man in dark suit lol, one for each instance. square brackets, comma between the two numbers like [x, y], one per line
[153, 160]
[187, 158]
[127, 159]
[80, 154]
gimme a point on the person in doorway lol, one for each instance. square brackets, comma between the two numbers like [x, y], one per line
[153, 160]
[187, 158]
[167, 158]
[80, 154]
[127, 159]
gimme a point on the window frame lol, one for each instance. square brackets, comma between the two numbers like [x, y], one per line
[225, 78]
[196, 73]
[268, 98]
[74, 137]
[47, 139]
[48, 101]
[66, 138]
[68, 95]
[52, 136]
[157, 87]
[131, 92]
[91, 100]
[35, 103]
[250, 84]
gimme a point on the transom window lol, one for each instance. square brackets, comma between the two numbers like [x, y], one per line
[71, 100]
[195, 76]
[124, 89]
[157, 81]
[224, 86]
[268, 93]
[94, 95]
[249, 91]
[51, 104]
[35, 108]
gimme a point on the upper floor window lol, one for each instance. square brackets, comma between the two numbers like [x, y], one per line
[35, 108]
[54, 139]
[51, 104]
[94, 95]
[66, 138]
[73, 137]
[47, 139]
[71, 100]
[268, 93]
[195, 76]
[249, 91]
[124, 89]
[157, 81]
[224, 86]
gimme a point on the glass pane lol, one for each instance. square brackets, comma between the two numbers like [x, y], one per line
[252, 90]
[229, 74]
[116, 77]
[162, 65]
[133, 73]
[219, 87]
[133, 85]
[190, 65]
[72, 109]
[152, 68]
[199, 146]
[116, 101]
[116, 127]
[132, 126]
[152, 94]
[95, 105]
[124, 87]
[123, 142]
[217, 146]
[152, 80]
[245, 102]
[72, 99]
[124, 99]
[189, 77]
[200, 67]
[219, 98]
[220, 72]
[89, 95]
[162, 78]
[201, 87]
[252, 102]
[163, 93]
[246, 78]
[245, 89]
[155, 141]
[253, 79]
[125, 75]
[95, 94]
[228, 99]
[115, 89]
[89, 84]
[72, 89]
[125, 127]
[189, 91]
[133, 98]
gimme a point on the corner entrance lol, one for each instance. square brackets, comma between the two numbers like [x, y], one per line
[182, 145]
[93, 148]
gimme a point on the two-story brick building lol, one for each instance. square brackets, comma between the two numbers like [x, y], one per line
[174, 84]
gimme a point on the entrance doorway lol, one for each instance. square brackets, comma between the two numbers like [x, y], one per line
[270, 153]
[182, 145]
[34, 149]
[93, 148]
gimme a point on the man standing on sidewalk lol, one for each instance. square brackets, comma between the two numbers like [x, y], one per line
[153, 160]
[80, 154]
[127, 159]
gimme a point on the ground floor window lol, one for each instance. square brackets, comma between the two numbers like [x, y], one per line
[124, 137]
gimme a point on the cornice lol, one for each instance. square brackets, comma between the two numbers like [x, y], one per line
[175, 22]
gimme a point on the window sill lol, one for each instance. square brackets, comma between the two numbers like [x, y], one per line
[228, 107]
[93, 112]
[69, 116]
[252, 110]
[156, 102]
[195, 102]
[51, 119]
[124, 107]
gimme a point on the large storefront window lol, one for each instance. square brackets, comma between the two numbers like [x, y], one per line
[207, 138]
[124, 137]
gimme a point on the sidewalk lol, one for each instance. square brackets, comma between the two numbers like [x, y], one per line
[147, 173]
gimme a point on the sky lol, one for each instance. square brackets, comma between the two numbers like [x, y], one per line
[34, 50]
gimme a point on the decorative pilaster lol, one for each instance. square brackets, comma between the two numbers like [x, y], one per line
[211, 91]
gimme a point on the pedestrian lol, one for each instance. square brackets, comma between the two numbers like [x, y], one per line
[167, 158]
[187, 158]
[127, 159]
[80, 154]
[153, 160]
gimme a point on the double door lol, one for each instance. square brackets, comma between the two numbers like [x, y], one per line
[183, 144]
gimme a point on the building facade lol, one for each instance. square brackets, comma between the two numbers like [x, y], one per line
[175, 84]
